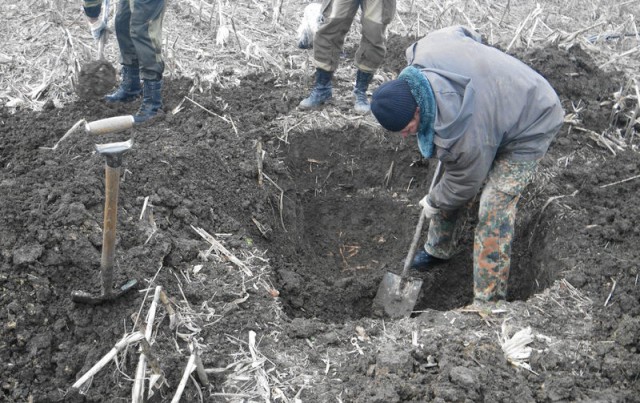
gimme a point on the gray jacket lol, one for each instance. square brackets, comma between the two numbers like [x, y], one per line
[489, 104]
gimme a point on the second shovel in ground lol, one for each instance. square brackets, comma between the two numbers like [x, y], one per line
[113, 154]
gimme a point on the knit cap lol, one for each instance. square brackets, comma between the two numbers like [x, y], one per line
[393, 105]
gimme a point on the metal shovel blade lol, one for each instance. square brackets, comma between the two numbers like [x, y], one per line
[83, 297]
[396, 296]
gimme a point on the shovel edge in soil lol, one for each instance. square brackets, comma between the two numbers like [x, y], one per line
[83, 297]
[397, 294]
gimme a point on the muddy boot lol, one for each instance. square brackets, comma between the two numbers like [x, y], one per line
[151, 101]
[129, 89]
[321, 92]
[361, 104]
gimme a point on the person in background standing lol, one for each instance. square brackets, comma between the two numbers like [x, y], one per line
[338, 15]
[138, 31]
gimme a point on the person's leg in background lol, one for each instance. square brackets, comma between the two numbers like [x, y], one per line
[327, 45]
[146, 36]
[376, 15]
[129, 88]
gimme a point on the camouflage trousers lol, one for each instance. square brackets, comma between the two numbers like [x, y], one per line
[139, 33]
[337, 18]
[494, 231]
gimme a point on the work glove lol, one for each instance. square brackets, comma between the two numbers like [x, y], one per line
[427, 209]
[98, 27]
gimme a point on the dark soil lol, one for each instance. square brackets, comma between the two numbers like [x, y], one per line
[333, 211]
[95, 79]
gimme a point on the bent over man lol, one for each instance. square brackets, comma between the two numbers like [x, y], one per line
[138, 30]
[489, 119]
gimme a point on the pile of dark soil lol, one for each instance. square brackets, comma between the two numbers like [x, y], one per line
[310, 217]
[95, 79]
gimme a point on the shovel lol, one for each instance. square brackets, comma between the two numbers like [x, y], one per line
[113, 154]
[397, 295]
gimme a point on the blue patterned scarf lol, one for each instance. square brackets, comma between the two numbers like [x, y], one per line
[423, 94]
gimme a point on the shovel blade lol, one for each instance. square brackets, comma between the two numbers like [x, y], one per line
[396, 296]
[83, 297]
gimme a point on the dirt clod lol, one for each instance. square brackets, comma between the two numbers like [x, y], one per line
[95, 80]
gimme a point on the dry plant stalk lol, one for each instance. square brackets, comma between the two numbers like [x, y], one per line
[613, 288]
[388, 175]
[218, 247]
[262, 381]
[277, 11]
[157, 377]
[124, 342]
[259, 158]
[190, 367]
[167, 305]
[534, 14]
[202, 374]
[67, 134]
[137, 393]
[281, 203]
[515, 348]
[551, 199]
[620, 181]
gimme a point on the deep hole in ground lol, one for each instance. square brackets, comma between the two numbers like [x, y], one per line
[352, 211]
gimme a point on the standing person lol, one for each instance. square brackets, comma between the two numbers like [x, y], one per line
[489, 119]
[328, 41]
[138, 30]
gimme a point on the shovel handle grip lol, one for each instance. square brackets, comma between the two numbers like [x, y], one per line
[110, 125]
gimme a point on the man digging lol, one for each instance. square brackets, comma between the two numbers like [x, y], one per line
[138, 30]
[489, 119]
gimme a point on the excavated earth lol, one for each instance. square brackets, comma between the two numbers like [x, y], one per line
[311, 211]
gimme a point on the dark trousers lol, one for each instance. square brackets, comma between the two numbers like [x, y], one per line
[139, 32]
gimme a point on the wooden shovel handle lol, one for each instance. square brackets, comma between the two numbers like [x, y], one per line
[414, 245]
[110, 125]
[112, 186]
[416, 235]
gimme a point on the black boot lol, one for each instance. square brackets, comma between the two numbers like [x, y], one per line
[151, 101]
[321, 92]
[423, 261]
[361, 104]
[129, 89]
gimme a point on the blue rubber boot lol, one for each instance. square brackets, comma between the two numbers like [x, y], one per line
[423, 261]
[361, 104]
[129, 89]
[321, 93]
[151, 101]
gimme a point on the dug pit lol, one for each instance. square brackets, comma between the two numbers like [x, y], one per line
[349, 215]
